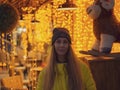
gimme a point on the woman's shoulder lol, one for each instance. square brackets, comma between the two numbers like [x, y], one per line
[42, 72]
[87, 76]
[84, 67]
[83, 64]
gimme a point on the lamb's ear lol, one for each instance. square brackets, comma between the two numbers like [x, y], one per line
[108, 4]
[93, 11]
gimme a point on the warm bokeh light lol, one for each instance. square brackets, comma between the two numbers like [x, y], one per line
[77, 21]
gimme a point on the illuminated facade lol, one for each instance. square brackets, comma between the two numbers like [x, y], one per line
[77, 21]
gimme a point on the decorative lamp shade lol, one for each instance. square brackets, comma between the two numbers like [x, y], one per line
[68, 5]
[8, 17]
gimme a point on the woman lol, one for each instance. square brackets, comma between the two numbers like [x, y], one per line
[64, 71]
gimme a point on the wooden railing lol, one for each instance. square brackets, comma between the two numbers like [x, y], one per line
[106, 72]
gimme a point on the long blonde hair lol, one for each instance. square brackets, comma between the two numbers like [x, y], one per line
[73, 70]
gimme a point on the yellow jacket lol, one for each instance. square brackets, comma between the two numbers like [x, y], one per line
[61, 78]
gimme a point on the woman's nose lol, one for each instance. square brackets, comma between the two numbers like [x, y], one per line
[61, 44]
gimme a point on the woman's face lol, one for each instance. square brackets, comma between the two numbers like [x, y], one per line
[61, 46]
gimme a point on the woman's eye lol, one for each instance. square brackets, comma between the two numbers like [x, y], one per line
[65, 42]
[58, 41]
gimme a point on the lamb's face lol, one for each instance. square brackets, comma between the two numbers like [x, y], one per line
[94, 10]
